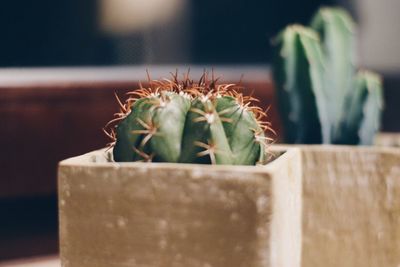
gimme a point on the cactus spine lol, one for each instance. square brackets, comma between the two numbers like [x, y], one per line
[187, 122]
[321, 96]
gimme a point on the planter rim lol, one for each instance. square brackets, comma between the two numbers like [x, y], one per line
[89, 160]
[330, 147]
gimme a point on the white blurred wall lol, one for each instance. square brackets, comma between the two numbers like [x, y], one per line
[127, 16]
[379, 40]
[146, 31]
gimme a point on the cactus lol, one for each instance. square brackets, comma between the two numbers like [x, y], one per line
[321, 96]
[360, 124]
[298, 76]
[187, 122]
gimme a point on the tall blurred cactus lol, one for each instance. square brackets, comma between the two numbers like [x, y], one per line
[321, 96]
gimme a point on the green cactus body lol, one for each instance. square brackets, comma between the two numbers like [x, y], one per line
[207, 126]
[373, 107]
[205, 141]
[321, 98]
[245, 135]
[298, 75]
[360, 125]
[336, 30]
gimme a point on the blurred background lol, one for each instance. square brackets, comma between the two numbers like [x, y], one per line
[120, 32]
[115, 32]
[61, 61]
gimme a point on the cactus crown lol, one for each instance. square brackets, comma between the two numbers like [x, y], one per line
[322, 98]
[174, 120]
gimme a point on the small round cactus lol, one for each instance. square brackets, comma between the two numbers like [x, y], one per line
[188, 122]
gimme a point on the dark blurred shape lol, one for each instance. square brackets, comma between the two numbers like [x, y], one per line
[48, 33]
[68, 32]
[391, 112]
[28, 226]
[228, 31]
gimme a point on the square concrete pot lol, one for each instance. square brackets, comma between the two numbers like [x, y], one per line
[351, 206]
[183, 215]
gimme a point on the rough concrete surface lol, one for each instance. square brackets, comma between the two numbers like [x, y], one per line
[179, 215]
[351, 206]
[216, 216]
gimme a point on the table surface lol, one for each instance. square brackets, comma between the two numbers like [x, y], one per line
[47, 261]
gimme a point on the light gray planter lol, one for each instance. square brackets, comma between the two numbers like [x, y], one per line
[351, 206]
[160, 214]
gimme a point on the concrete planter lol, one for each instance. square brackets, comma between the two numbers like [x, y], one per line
[351, 206]
[153, 214]
[141, 214]
[387, 139]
